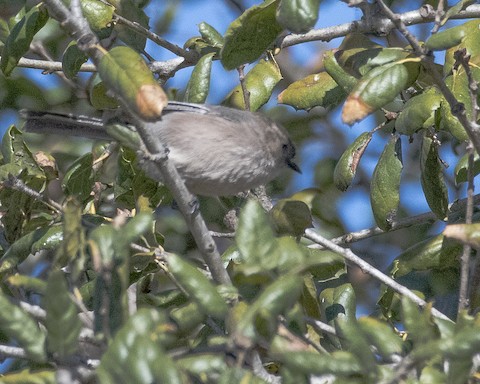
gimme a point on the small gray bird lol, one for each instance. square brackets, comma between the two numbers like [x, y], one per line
[218, 151]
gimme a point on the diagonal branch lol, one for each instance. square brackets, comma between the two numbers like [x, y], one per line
[371, 270]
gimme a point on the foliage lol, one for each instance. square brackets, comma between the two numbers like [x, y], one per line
[101, 280]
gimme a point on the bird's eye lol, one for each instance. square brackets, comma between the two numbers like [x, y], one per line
[288, 150]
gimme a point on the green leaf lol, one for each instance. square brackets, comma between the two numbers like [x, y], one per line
[134, 354]
[355, 341]
[250, 35]
[203, 365]
[445, 39]
[98, 94]
[72, 60]
[198, 287]
[21, 36]
[433, 183]
[461, 169]
[4, 32]
[377, 88]
[470, 42]
[385, 184]
[381, 336]
[132, 11]
[346, 167]
[324, 265]
[110, 247]
[458, 83]
[260, 318]
[27, 283]
[358, 55]
[133, 229]
[62, 322]
[455, 9]
[187, 318]
[210, 35]
[99, 15]
[450, 123]
[337, 72]
[126, 73]
[434, 253]
[31, 377]
[17, 325]
[340, 309]
[299, 16]
[418, 323]
[254, 236]
[42, 238]
[78, 180]
[132, 183]
[315, 90]
[74, 241]
[419, 112]
[17, 206]
[259, 253]
[466, 233]
[16, 151]
[291, 217]
[199, 83]
[308, 363]
[260, 82]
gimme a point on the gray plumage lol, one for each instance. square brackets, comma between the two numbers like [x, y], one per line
[218, 151]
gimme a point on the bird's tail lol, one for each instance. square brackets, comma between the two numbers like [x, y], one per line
[60, 124]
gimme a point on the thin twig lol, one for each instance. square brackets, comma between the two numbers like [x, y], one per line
[463, 302]
[15, 183]
[34, 310]
[192, 57]
[9, 351]
[321, 326]
[462, 59]
[421, 219]
[228, 235]
[439, 13]
[371, 270]
[384, 25]
[245, 91]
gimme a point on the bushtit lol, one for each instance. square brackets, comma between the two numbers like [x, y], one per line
[218, 151]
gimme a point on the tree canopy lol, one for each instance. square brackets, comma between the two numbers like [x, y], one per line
[109, 276]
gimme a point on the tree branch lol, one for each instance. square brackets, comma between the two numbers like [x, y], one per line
[190, 56]
[378, 24]
[371, 270]
[7, 351]
[424, 218]
[168, 68]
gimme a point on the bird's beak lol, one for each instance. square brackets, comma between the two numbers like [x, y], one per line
[293, 166]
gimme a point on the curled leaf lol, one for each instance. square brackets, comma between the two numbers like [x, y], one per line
[346, 167]
[125, 72]
[385, 184]
[319, 89]
[433, 183]
[250, 35]
[377, 88]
